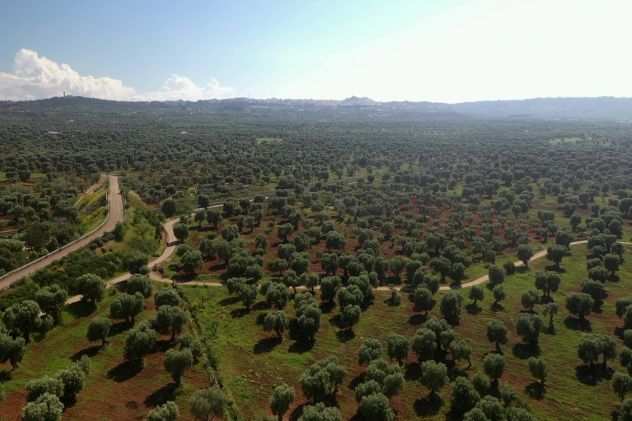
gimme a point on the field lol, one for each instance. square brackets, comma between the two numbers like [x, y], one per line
[252, 361]
[114, 388]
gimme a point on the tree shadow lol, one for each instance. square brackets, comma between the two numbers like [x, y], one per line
[160, 396]
[229, 301]
[81, 308]
[524, 351]
[535, 390]
[473, 308]
[495, 307]
[125, 371]
[238, 313]
[357, 380]
[260, 305]
[118, 328]
[266, 344]
[591, 376]
[297, 412]
[345, 335]
[90, 351]
[300, 347]
[574, 323]
[412, 371]
[327, 306]
[428, 406]
[417, 319]
[260, 319]
[5, 375]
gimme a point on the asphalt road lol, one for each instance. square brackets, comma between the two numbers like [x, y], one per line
[115, 215]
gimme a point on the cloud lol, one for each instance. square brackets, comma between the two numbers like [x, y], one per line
[36, 77]
[181, 87]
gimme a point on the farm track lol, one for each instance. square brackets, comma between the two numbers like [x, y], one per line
[168, 228]
[115, 215]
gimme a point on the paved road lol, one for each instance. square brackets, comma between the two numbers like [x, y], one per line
[115, 215]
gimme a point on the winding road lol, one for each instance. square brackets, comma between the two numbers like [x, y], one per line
[168, 227]
[115, 215]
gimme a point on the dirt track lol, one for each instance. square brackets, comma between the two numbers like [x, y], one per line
[115, 215]
[170, 248]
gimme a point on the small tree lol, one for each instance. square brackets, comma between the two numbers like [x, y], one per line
[397, 348]
[496, 275]
[206, 404]
[139, 342]
[464, 395]
[528, 327]
[497, 334]
[494, 365]
[422, 298]
[555, 254]
[476, 294]
[181, 231]
[537, 369]
[166, 296]
[168, 208]
[23, 318]
[38, 387]
[551, 309]
[580, 305]
[99, 330]
[451, 307]
[170, 319]
[282, 398]
[127, 306]
[499, 295]
[320, 412]
[275, 320]
[525, 253]
[320, 381]
[376, 407]
[91, 287]
[51, 300]
[47, 407]
[350, 316]
[621, 385]
[177, 361]
[434, 376]
[139, 283]
[371, 349]
[168, 411]
[11, 349]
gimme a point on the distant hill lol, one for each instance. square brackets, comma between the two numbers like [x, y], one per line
[353, 108]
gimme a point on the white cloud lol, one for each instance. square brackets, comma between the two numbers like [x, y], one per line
[35, 77]
[181, 87]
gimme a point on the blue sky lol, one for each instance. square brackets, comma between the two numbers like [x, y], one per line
[443, 50]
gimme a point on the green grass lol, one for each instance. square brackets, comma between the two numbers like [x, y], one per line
[104, 395]
[250, 375]
[92, 209]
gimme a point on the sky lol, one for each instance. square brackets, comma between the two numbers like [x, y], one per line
[417, 50]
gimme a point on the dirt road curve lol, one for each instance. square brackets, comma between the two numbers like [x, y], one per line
[115, 215]
[478, 281]
[171, 243]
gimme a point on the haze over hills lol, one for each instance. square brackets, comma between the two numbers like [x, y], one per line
[600, 108]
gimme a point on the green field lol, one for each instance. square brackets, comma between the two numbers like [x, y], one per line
[251, 363]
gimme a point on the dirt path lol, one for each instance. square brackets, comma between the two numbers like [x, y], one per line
[477, 281]
[115, 215]
[171, 243]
